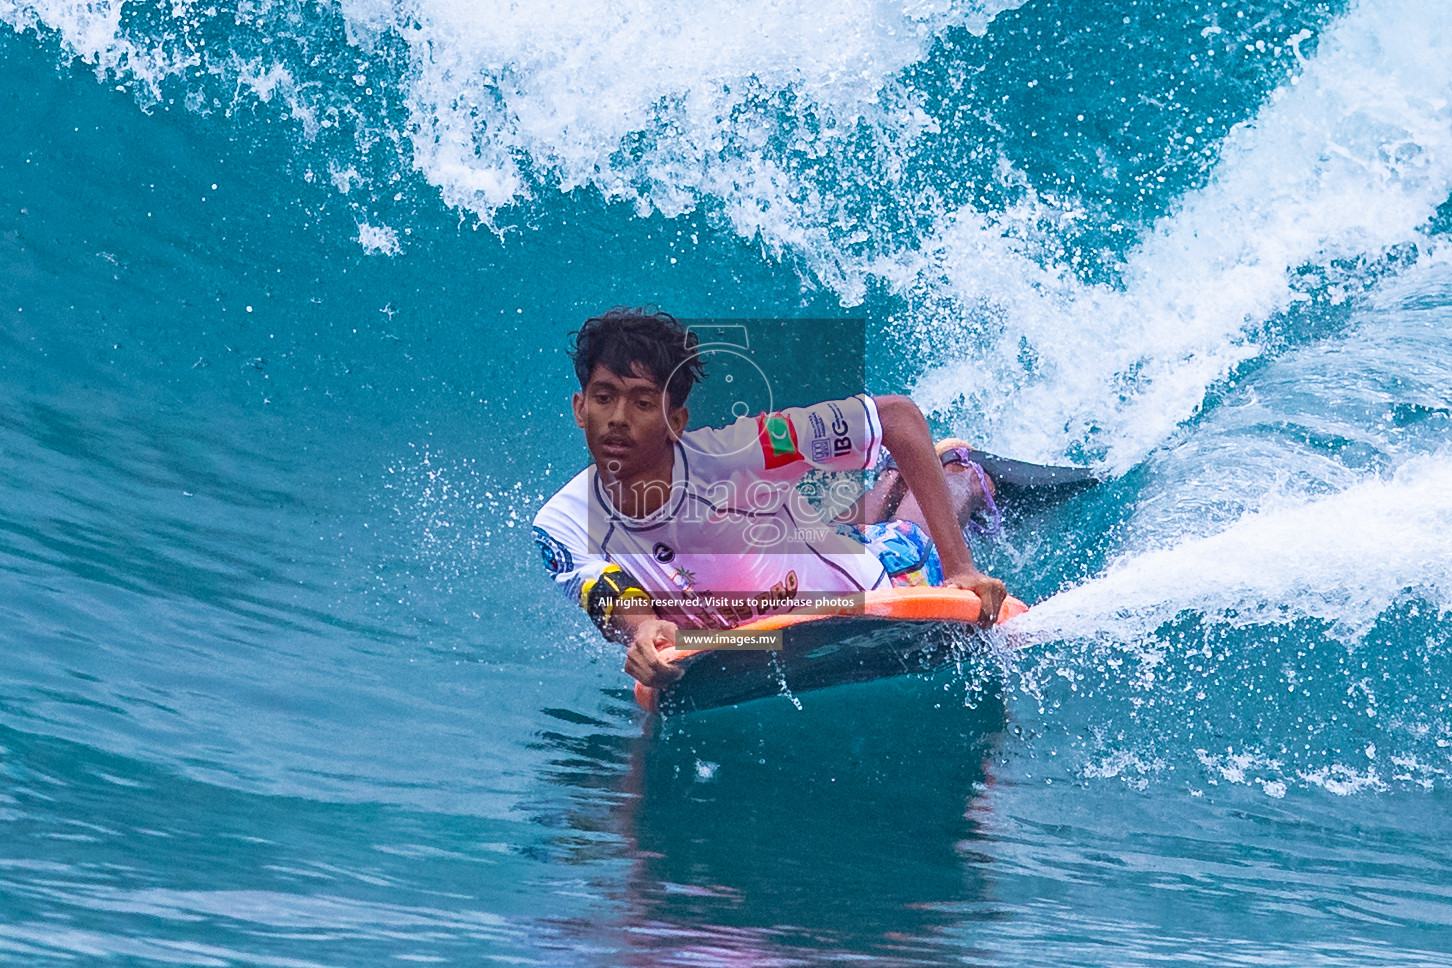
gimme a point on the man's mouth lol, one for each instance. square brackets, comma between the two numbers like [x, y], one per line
[615, 445]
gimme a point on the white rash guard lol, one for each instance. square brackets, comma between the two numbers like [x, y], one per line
[735, 523]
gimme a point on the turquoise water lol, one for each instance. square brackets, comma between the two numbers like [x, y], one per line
[284, 296]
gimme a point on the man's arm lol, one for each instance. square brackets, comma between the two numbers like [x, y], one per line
[621, 609]
[615, 601]
[905, 433]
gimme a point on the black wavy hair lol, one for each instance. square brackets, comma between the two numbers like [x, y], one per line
[624, 337]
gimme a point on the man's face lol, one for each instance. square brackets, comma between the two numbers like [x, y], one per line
[628, 421]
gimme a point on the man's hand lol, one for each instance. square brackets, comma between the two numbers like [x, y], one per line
[990, 591]
[647, 658]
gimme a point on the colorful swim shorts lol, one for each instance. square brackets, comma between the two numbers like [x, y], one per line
[905, 550]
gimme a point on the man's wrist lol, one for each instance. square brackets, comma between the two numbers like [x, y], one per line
[959, 564]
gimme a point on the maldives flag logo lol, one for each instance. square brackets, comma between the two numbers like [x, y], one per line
[778, 440]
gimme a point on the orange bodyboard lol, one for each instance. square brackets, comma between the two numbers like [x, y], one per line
[897, 614]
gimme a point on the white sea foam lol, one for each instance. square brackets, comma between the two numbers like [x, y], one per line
[658, 104]
[92, 30]
[378, 239]
[1349, 159]
[1342, 559]
[673, 106]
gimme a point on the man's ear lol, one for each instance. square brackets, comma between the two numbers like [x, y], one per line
[677, 420]
[578, 403]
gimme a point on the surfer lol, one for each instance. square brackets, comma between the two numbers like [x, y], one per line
[670, 528]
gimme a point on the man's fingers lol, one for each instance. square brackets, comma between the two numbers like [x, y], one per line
[635, 666]
[990, 597]
[669, 672]
[646, 663]
[640, 658]
[990, 591]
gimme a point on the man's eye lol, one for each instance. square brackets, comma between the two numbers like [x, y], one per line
[602, 398]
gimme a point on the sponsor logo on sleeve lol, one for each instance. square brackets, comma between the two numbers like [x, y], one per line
[556, 556]
[821, 447]
[841, 432]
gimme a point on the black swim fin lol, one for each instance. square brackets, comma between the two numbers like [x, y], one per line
[1022, 485]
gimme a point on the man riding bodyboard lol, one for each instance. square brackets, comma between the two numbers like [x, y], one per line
[670, 515]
